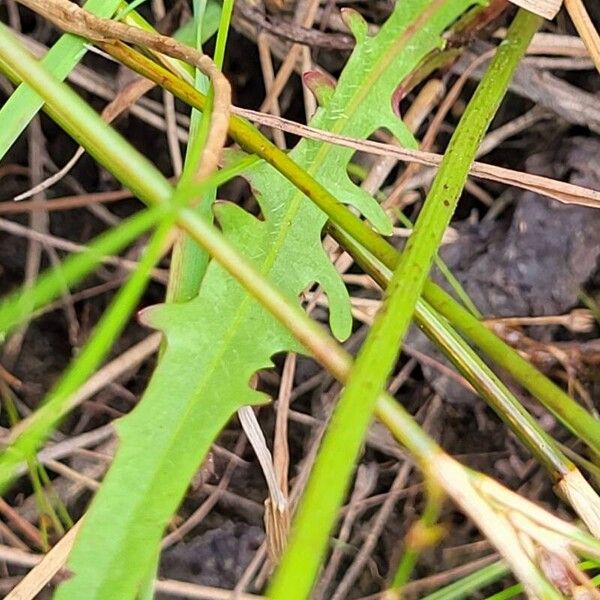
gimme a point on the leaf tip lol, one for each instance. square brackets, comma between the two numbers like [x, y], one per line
[321, 85]
[356, 24]
[147, 316]
[340, 321]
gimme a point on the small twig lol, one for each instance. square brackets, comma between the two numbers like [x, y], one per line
[295, 33]
[580, 320]
[394, 198]
[495, 137]
[266, 64]
[72, 474]
[183, 589]
[255, 434]
[131, 357]
[65, 202]
[62, 244]
[281, 455]
[557, 45]
[42, 573]
[204, 509]
[567, 193]
[24, 526]
[289, 63]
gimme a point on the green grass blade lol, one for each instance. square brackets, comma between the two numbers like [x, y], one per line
[26, 438]
[22, 106]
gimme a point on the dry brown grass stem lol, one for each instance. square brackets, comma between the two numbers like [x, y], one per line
[585, 28]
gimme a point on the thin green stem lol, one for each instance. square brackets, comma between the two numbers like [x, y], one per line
[496, 394]
[571, 414]
[423, 534]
